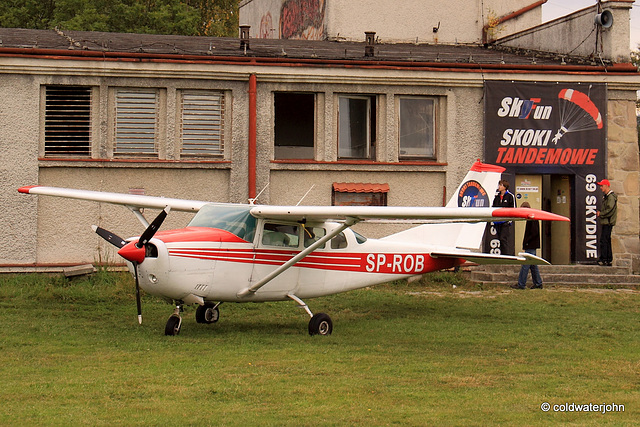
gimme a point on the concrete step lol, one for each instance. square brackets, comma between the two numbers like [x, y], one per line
[574, 275]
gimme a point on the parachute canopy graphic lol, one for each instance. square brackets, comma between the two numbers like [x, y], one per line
[577, 113]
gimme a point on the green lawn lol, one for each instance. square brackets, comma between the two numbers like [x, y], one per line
[72, 353]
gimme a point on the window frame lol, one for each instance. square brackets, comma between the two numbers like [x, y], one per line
[51, 130]
[130, 141]
[434, 133]
[297, 152]
[370, 123]
[210, 147]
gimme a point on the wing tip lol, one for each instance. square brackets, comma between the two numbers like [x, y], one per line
[27, 189]
[527, 213]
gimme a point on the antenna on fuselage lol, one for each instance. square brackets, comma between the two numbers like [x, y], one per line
[305, 195]
[252, 201]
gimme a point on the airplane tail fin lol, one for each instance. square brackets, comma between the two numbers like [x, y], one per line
[476, 190]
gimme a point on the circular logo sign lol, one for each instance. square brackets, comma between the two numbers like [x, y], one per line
[472, 195]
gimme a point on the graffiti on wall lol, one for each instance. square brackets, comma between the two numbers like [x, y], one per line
[302, 19]
[266, 26]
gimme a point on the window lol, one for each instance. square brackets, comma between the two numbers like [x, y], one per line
[280, 235]
[294, 125]
[67, 121]
[339, 242]
[357, 194]
[312, 235]
[417, 128]
[136, 122]
[202, 123]
[356, 133]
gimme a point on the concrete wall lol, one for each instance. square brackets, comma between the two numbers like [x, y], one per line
[577, 34]
[457, 21]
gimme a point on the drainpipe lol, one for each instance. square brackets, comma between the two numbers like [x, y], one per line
[252, 135]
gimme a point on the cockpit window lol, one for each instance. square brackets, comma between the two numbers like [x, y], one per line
[359, 238]
[312, 235]
[339, 242]
[232, 218]
[280, 235]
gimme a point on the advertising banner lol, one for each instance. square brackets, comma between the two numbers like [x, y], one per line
[555, 129]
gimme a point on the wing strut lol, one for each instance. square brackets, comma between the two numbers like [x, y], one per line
[350, 221]
[138, 213]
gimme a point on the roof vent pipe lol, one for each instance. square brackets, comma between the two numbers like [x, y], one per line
[370, 38]
[244, 36]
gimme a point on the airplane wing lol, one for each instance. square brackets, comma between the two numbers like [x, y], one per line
[131, 200]
[365, 213]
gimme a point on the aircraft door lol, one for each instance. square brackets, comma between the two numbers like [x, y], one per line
[528, 188]
[277, 244]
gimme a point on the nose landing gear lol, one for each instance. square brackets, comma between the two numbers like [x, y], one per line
[175, 322]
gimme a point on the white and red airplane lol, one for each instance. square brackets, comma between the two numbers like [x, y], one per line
[254, 253]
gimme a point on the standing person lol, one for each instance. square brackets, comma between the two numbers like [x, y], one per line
[504, 199]
[530, 242]
[608, 216]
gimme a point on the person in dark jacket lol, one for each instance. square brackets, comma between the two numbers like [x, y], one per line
[608, 216]
[530, 242]
[504, 230]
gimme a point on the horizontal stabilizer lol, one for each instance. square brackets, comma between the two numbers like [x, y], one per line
[482, 258]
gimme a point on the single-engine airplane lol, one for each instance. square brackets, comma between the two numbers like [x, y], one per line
[254, 253]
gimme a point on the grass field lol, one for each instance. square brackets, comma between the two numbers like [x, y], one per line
[72, 353]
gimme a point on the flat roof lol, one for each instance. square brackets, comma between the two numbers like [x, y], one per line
[18, 41]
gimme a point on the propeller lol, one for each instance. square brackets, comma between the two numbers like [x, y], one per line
[134, 252]
[116, 241]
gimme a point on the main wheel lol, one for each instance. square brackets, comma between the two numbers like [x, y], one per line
[320, 324]
[173, 325]
[207, 314]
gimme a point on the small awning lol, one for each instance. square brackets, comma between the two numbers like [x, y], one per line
[359, 187]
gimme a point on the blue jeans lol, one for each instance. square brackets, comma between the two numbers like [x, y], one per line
[524, 273]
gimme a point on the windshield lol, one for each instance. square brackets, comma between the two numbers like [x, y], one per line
[235, 219]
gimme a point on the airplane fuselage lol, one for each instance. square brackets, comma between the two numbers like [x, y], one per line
[215, 265]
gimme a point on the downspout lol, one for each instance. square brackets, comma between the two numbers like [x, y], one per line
[252, 135]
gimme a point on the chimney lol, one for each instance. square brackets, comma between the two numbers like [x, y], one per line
[370, 38]
[244, 36]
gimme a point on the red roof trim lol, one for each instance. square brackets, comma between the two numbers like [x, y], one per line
[357, 187]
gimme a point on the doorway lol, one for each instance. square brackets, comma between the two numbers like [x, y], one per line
[552, 193]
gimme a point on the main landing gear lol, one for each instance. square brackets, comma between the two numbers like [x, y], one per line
[320, 323]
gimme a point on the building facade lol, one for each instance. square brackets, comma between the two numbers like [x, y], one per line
[278, 120]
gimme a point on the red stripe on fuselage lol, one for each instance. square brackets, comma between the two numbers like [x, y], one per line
[393, 263]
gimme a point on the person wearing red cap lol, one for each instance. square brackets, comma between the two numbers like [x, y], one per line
[608, 216]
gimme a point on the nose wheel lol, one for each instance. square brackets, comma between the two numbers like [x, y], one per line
[174, 323]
